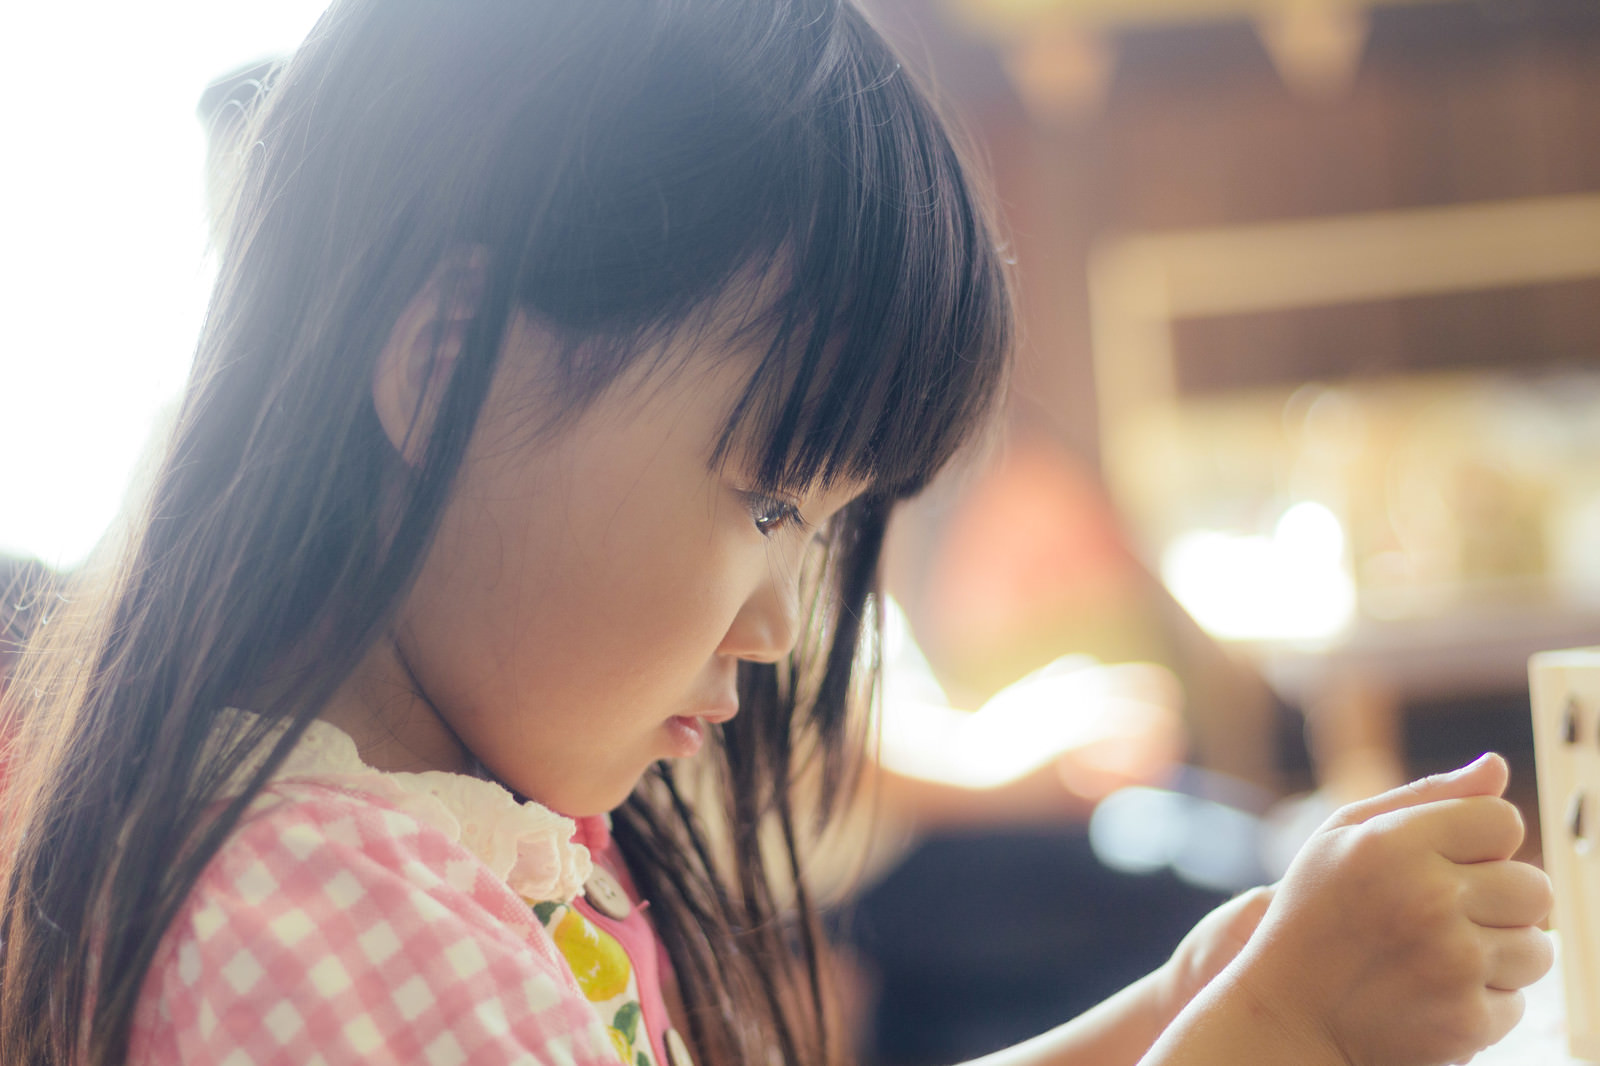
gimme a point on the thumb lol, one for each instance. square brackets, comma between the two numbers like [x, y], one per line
[1487, 775]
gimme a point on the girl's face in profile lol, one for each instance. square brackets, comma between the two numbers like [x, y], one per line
[590, 593]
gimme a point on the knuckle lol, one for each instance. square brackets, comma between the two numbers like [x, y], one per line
[1508, 819]
[1508, 1019]
[1526, 896]
[1541, 891]
[1531, 954]
[1465, 959]
[1455, 964]
[1468, 1024]
[1434, 910]
[1374, 842]
[1544, 951]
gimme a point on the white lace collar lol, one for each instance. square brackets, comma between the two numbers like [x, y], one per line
[527, 845]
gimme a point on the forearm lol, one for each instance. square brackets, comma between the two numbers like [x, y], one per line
[1118, 1032]
[1222, 1026]
[1225, 1025]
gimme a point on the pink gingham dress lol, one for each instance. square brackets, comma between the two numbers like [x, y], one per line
[357, 916]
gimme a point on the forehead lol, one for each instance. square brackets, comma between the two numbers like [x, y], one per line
[706, 384]
[794, 406]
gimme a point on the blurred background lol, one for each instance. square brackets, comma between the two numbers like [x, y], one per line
[1312, 301]
[1306, 404]
[1303, 428]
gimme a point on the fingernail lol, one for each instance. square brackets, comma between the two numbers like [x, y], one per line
[1471, 766]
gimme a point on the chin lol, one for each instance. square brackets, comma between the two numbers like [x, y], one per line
[573, 797]
[590, 802]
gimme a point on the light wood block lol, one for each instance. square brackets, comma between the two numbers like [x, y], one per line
[1565, 687]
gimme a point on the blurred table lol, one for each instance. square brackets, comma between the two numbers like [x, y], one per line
[1353, 688]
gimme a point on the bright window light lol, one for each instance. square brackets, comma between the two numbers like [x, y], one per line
[103, 240]
[1293, 585]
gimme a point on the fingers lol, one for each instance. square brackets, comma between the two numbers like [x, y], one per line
[1517, 957]
[1473, 830]
[1505, 895]
[1459, 814]
[1477, 1023]
[1503, 1011]
[1487, 776]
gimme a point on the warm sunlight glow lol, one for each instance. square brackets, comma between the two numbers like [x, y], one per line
[103, 234]
[1113, 723]
[1293, 585]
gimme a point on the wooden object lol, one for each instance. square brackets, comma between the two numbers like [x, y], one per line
[1566, 727]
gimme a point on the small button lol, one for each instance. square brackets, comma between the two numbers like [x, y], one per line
[677, 1050]
[606, 895]
[1569, 722]
[1575, 820]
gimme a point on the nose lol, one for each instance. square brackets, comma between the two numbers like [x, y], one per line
[768, 624]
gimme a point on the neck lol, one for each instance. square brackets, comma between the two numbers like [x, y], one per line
[394, 724]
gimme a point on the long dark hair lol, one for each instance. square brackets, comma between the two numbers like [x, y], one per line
[619, 165]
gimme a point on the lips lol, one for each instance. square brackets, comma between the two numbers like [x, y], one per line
[687, 732]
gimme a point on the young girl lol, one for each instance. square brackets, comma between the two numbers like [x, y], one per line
[515, 556]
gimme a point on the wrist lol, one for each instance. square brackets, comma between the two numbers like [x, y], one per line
[1247, 1013]
[1284, 1033]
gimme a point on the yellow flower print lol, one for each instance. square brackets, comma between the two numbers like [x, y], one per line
[597, 960]
[623, 1047]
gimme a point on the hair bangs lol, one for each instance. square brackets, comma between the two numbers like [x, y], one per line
[889, 339]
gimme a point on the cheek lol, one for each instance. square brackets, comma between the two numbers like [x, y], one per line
[561, 591]
[670, 600]
[611, 552]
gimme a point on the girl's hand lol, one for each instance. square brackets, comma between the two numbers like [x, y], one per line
[1209, 947]
[1403, 932]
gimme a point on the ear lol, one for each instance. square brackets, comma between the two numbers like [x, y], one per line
[419, 356]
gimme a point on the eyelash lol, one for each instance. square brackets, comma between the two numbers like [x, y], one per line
[772, 514]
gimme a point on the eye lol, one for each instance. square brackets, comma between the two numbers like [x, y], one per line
[771, 514]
